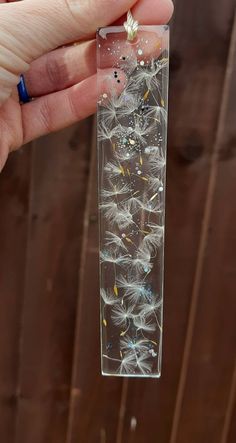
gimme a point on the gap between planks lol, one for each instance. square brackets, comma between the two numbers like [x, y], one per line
[229, 409]
[214, 166]
[31, 146]
[81, 275]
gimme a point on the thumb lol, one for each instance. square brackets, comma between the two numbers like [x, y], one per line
[31, 28]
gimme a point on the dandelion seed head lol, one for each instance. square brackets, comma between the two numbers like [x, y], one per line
[121, 314]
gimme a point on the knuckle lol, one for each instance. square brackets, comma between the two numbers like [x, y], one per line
[55, 72]
[45, 116]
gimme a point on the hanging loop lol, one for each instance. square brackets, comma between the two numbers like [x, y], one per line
[131, 27]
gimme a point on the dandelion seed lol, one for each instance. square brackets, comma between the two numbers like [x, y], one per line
[114, 240]
[132, 204]
[108, 297]
[156, 162]
[122, 314]
[111, 258]
[146, 95]
[124, 154]
[152, 309]
[147, 309]
[151, 207]
[153, 197]
[142, 324]
[132, 344]
[155, 183]
[137, 290]
[120, 215]
[129, 240]
[149, 75]
[144, 363]
[105, 133]
[117, 189]
[129, 103]
[119, 107]
[108, 115]
[114, 169]
[141, 130]
[156, 113]
[128, 364]
[153, 240]
[130, 285]
[141, 264]
[122, 170]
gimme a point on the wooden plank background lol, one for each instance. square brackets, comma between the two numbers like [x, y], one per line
[51, 390]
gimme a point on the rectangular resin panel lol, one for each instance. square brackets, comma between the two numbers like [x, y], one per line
[132, 132]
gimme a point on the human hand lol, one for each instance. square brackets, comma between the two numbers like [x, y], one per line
[61, 79]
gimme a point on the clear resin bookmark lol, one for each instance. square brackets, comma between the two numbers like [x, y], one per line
[132, 132]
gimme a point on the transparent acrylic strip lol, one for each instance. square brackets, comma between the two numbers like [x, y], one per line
[132, 132]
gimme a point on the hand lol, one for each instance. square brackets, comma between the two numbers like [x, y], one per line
[62, 79]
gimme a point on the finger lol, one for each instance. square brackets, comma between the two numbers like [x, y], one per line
[64, 67]
[31, 28]
[61, 69]
[61, 109]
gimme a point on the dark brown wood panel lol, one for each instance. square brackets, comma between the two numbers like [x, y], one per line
[232, 430]
[14, 200]
[229, 427]
[95, 399]
[210, 348]
[197, 78]
[59, 182]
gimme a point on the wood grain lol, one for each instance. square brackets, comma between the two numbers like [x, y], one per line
[14, 200]
[95, 399]
[229, 427]
[197, 78]
[58, 188]
[209, 353]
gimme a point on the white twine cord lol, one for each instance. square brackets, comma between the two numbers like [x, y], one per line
[131, 26]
